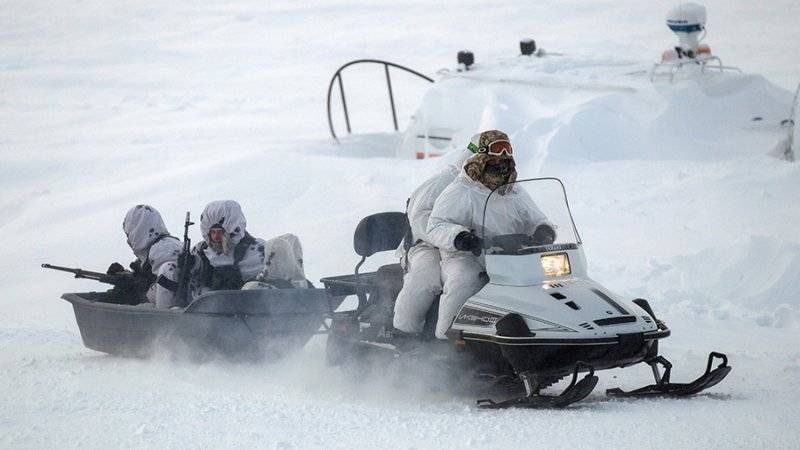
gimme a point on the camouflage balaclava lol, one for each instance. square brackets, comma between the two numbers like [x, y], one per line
[475, 167]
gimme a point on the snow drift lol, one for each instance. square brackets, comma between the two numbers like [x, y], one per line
[582, 109]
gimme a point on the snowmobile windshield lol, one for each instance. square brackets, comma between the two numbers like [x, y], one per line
[528, 216]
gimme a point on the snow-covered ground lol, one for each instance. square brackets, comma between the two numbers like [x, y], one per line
[105, 105]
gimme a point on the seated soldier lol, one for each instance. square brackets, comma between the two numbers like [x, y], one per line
[283, 268]
[229, 257]
[422, 282]
[156, 255]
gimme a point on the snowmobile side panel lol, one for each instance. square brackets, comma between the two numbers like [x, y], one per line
[569, 309]
[535, 341]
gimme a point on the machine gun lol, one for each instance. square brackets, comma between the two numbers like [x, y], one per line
[185, 263]
[116, 279]
[128, 287]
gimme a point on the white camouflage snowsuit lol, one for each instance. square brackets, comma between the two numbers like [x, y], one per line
[284, 261]
[253, 259]
[155, 249]
[460, 208]
[422, 281]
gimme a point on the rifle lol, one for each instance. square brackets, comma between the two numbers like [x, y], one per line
[125, 280]
[185, 261]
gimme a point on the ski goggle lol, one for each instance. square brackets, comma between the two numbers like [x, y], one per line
[497, 148]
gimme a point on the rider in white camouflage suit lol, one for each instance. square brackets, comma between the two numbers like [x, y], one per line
[156, 251]
[422, 282]
[230, 258]
[456, 224]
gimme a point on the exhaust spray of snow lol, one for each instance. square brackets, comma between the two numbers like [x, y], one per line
[103, 106]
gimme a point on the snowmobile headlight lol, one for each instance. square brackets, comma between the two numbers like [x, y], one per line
[556, 265]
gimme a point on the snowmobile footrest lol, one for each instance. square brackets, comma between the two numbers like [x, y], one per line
[664, 388]
[576, 391]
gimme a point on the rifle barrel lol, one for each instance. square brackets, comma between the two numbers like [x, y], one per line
[182, 294]
[79, 273]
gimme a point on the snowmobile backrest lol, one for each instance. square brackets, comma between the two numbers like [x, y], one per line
[379, 232]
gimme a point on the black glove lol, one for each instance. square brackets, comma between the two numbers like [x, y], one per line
[543, 235]
[128, 289]
[136, 267]
[467, 241]
[115, 268]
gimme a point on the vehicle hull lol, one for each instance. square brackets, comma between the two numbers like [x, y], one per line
[254, 324]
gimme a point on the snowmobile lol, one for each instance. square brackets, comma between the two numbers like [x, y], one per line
[539, 319]
[232, 324]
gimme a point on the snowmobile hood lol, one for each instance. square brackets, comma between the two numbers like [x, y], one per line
[143, 225]
[227, 214]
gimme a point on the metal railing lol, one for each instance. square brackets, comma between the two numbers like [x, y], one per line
[338, 76]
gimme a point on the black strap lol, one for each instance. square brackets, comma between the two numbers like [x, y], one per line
[167, 284]
[146, 267]
[241, 248]
[207, 270]
[159, 238]
[407, 238]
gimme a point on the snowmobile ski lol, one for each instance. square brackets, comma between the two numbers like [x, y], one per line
[665, 388]
[576, 391]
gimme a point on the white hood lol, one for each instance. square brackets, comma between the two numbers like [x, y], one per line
[284, 260]
[228, 214]
[143, 225]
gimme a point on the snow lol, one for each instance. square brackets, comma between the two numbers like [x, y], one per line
[566, 108]
[103, 106]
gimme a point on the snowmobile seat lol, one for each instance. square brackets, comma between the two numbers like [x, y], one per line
[379, 232]
[375, 233]
[386, 284]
